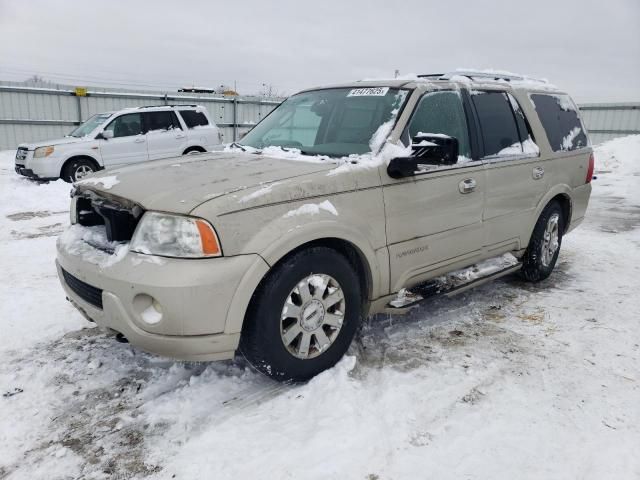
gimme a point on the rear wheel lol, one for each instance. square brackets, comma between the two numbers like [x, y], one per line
[194, 151]
[76, 169]
[303, 317]
[544, 246]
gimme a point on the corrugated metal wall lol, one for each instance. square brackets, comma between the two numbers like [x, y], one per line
[610, 120]
[29, 114]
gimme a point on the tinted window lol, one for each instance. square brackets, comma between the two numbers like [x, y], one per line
[441, 112]
[560, 120]
[497, 123]
[126, 125]
[165, 120]
[193, 118]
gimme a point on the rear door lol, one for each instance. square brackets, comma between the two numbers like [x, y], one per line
[516, 177]
[128, 145]
[434, 219]
[165, 137]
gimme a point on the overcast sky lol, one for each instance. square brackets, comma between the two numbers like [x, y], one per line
[590, 48]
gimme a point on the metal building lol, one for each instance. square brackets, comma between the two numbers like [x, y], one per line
[30, 114]
[605, 121]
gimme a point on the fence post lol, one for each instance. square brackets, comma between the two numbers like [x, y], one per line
[78, 98]
[235, 118]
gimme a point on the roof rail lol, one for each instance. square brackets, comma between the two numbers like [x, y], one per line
[480, 75]
[170, 105]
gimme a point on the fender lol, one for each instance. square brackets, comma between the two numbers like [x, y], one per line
[289, 237]
[559, 189]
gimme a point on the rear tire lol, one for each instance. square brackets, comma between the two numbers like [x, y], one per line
[304, 315]
[193, 151]
[544, 246]
[78, 168]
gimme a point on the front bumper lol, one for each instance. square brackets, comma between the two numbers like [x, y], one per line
[46, 168]
[194, 296]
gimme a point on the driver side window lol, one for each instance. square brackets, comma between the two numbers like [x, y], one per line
[126, 125]
[441, 113]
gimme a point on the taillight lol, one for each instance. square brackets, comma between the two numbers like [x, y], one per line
[590, 169]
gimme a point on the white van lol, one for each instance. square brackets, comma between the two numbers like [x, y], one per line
[127, 136]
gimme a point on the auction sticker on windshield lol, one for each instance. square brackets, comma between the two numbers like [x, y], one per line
[368, 92]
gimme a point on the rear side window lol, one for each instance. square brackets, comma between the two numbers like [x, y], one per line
[193, 118]
[165, 120]
[498, 124]
[559, 117]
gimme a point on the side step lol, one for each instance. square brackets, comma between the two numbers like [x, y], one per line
[407, 299]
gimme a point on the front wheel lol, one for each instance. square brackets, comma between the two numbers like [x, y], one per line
[544, 246]
[303, 317]
[77, 169]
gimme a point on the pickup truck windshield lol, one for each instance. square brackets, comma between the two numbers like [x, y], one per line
[90, 125]
[333, 122]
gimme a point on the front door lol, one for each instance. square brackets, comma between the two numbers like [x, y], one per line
[165, 137]
[128, 144]
[434, 219]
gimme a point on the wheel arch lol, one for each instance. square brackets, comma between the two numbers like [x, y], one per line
[259, 272]
[563, 195]
[78, 157]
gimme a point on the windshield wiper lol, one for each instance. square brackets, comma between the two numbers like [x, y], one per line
[237, 145]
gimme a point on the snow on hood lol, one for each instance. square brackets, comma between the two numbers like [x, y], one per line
[180, 185]
[57, 141]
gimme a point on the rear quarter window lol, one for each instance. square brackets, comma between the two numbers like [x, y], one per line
[561, 121]
[193, 118]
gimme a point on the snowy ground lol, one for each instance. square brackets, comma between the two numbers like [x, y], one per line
[508, 381]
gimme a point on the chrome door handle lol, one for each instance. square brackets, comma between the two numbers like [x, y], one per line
[467, 185]
[139, 140]
[537, 173]
[180, 135]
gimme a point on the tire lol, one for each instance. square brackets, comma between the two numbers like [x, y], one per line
[544, 246]
[77, 168]
[194, 150]
[317, 315]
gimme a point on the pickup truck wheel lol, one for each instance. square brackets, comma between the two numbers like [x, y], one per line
[544, 246]
[76, 169]
[303, 317]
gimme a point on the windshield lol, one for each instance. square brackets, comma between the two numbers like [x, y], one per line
[333, 122]
[90, 125]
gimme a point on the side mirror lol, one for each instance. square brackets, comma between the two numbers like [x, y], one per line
[426, 150]
[105, 135]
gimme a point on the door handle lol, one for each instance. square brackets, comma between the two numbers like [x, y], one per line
[537, 173]
[467, 185]
[139, 140]
[180, 135]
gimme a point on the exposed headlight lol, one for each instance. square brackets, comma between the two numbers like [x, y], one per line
[41, 152]
[175, 236]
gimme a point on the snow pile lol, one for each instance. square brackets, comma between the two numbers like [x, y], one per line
[312, 209]
[107, 182]
[92, 245]
[623, 153]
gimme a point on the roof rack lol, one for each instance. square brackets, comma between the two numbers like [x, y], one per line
[479, 75]
[170, 105]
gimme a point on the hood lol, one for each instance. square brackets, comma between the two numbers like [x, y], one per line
[57, 141]
[180, 184]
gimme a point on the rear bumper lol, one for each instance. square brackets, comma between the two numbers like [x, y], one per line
[580, 201]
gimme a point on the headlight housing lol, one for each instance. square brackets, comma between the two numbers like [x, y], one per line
[178, 236]
[42, 152]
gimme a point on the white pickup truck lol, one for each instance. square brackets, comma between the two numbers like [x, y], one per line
[112, 139]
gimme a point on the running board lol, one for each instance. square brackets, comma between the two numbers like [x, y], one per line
[407, 299]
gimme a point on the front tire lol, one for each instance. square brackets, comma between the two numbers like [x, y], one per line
[77, 169]
[544, 246]
[303, 316]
